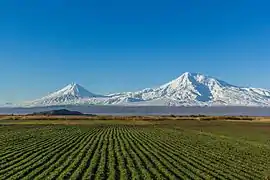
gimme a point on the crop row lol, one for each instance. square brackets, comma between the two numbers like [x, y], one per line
[126, 152]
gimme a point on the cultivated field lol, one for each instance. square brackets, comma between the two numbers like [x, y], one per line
[134, 149]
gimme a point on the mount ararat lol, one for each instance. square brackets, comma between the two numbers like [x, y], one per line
[190, 89]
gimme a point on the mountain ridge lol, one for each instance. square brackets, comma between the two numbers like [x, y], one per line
[189, 89]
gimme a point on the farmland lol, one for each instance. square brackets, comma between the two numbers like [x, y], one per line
[111, 149]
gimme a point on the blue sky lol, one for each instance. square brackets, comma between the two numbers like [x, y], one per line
[111, 46]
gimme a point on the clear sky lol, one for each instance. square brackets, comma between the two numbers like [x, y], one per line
[121, 45]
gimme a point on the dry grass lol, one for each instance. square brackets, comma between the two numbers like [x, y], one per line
[136, 118]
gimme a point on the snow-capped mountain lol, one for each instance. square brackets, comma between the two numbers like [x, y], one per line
[70, 94]
[198, 89]
[190, 89]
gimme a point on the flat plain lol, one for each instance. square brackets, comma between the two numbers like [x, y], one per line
[134, 149]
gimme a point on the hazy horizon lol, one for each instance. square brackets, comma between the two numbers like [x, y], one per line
[149, 110]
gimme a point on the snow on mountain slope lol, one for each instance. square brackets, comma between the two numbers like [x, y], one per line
[71, 94]
[198, 89]
[190, 89]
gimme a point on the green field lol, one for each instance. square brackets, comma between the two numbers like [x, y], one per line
[135, 150]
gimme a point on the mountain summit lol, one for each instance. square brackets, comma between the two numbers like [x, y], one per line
[195, 79]
[68, 95]
[74, 90]
[189, 89]
[198, 89]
